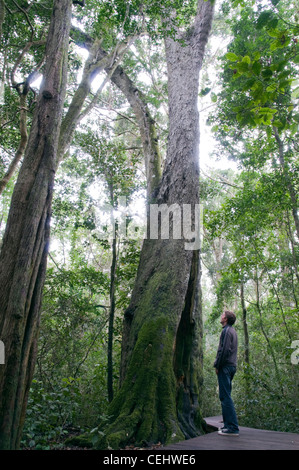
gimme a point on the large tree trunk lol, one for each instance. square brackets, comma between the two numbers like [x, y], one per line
[161, 370]
[24, 250]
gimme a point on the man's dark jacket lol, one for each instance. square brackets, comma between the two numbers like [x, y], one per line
[228, 347]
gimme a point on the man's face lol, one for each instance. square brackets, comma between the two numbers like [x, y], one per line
[223, 319]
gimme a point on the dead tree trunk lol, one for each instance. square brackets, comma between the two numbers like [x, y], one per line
[24, 250]
[159, 394]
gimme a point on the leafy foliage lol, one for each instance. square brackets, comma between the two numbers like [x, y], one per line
[250, 231]
[251, 243]
[262, 65]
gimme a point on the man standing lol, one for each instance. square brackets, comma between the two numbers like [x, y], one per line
[226, 366]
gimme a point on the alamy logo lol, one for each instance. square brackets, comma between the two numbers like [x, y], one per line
[176, 221]
[2, 353]
[181, 223]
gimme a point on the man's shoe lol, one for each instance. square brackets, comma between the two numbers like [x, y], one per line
[226, 432]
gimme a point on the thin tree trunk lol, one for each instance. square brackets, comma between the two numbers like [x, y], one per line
[258, 306]
[24, 250]
[274, 290]
[2, 15]
[112, 300]
[289, 185]
[161, 372]
[218, 257]
[22, 145]
[111, 319]
[245, 326]
[246, 344]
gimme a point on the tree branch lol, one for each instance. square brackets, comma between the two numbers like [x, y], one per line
[26, 16]
[96, 62]
[2, 15]
[202, 26]
[23, 115]
[22, 144]
[223, 181]
[139, 105]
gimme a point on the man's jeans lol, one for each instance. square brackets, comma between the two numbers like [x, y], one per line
[225, 377]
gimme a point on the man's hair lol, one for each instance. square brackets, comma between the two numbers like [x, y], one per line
[231, 317]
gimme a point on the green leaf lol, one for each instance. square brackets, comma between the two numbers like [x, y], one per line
[263, 19]
[248, 85]
[295, 93]
[267, 111]
[257, 55]
[205, 91]
[242, 67]
[280, 43]
[281, 65]
[274, 33]
[284, 74]
[246, 59]
[256, 68]
[231, 56]
[272, 24]
[271, 87]
[236, 75]
[267, 73]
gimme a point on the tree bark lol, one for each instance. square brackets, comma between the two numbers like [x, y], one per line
[111, 319]
[2, 15]
[24, 250]
[245, 325]
[246, 344]
[161, 371]
[113, 269]
[288, 181]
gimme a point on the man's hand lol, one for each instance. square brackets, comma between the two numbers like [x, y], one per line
[216, 371]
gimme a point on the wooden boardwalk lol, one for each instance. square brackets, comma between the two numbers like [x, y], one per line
[248, 439]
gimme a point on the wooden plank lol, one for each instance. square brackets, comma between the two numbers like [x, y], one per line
[248, 439]
[214, 421]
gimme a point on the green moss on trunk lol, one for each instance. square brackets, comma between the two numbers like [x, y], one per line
[144, 410]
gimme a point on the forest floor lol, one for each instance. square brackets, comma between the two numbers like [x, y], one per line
[64, 445]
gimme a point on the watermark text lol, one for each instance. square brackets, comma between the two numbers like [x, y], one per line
[163, 221]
